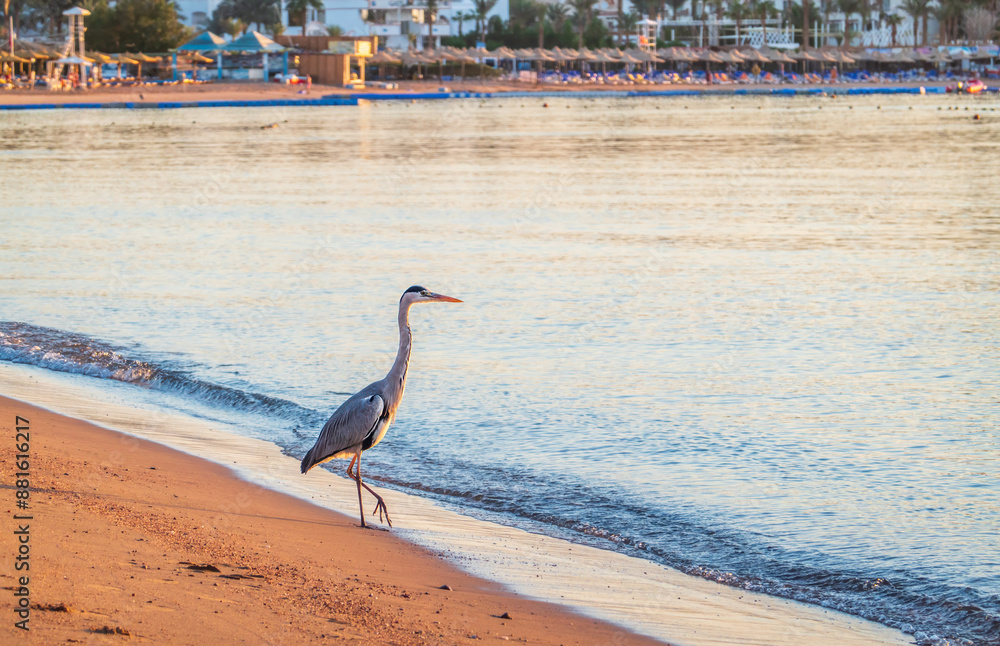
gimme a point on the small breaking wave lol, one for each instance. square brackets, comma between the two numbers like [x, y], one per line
[935, 614]
[79, 354]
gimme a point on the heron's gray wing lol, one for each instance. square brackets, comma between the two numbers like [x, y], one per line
[348, 426]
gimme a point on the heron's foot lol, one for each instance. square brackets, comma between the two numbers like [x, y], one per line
[380, 508]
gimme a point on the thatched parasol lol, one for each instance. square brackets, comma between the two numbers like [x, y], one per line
[898, 57]
[381, 58]
[939, 57]
[6, 57]
[752, 55]
[805, 55]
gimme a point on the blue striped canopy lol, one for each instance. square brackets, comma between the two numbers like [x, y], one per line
[204, 42]
[253, 41]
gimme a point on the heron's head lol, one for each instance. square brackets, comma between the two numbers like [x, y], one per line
[418, 294]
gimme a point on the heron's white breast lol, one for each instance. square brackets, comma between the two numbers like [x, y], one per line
[380, 433]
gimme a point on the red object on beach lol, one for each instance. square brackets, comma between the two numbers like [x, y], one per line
[975, 86]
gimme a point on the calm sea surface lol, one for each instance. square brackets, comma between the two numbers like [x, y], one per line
[754, 339]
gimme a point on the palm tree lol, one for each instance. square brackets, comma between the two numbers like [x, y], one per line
[718, 8]
[541, 10]
[893, 20]
[430, 15]
[299, 9]
[676, 5]
[234, 27]
[627, 24]
[557, 15]
[738, 11]
[949, 15]
[582, 11]
[826, 6]
[704, 21]
[866, 12]
[460, 17]
[806, 4]
[764, 9]
[917, 10]
[848, 8]
[482, 9]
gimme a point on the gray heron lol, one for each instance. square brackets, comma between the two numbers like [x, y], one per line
[360, 422]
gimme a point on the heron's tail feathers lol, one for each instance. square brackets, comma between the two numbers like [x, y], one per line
[308, 462]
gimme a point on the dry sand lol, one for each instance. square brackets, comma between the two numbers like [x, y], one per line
[134, 538]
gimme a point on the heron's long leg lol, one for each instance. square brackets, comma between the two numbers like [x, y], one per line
[380, 506]
[357, 479]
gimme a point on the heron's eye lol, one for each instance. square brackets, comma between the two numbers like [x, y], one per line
[425, 293]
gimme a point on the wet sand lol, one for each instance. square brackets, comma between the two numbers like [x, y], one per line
[132, 537]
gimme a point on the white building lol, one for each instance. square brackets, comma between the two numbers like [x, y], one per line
[403, 18]
[196, 13]
[400, 19]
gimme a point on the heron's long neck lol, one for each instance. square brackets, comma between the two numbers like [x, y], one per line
[397, 375]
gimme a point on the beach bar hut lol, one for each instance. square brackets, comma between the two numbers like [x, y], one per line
[203, 42]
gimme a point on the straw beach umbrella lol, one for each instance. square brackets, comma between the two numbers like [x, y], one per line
[709, 57]
[629, 59]
[805, 56]
[779, 57]
[899, 57]
[602, 57]
[416, 58]
[463, 58]
[7, 57]
[752, 55]
[206, 42]
[124, 59]
[100, 58]
[842, 57]
[382, 57]
[939, 57]
[145, 58]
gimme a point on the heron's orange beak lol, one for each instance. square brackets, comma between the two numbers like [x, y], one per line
[445, 299]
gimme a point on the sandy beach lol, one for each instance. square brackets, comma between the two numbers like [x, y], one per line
[133, 538]
[235, 91]
[131, 520]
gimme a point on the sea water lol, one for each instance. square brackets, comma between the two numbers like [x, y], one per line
[753, 339]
